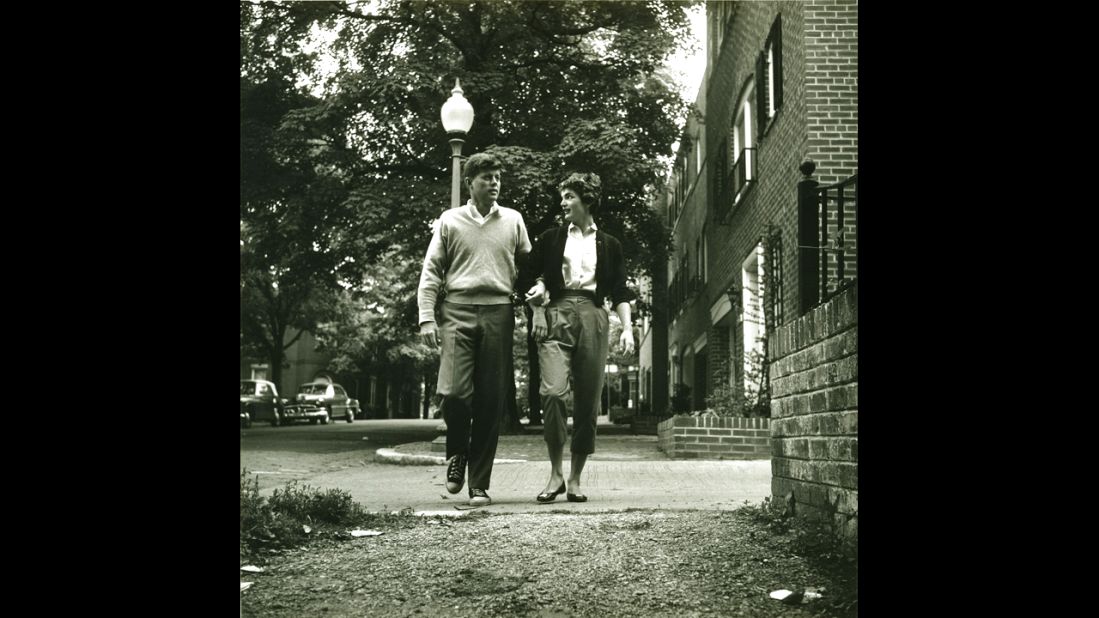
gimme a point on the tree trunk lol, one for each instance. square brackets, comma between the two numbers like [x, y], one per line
[275, 357]
[534, 400]
[661, 395]
[511, 424]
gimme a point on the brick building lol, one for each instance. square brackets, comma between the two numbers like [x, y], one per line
[781, 87]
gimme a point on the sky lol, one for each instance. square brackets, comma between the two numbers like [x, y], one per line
[693, 65]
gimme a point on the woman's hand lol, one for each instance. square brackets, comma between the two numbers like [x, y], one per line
[539, 330]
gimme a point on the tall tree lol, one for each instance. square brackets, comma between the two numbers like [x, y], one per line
[555, 87]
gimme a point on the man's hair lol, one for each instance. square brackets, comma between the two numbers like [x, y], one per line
[587, 187]
[480, 162]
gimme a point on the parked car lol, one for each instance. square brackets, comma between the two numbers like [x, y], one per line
[331, 397]
[260, 401]
[620, 416]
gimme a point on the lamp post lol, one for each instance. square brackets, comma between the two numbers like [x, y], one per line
[457, 116]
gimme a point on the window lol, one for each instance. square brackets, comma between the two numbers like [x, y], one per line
[701, 381]
[648, 392]
[698, 154]
[719, 170]
[769, 70]
[685, 275]
[755, 329]
[683, 182]
[700, 257]
[674, 366]
[720, 15]
[705, 256]
[743, 135]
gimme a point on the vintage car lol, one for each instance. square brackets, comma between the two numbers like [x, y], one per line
[331, 397]
[621, 416]
[260, 401]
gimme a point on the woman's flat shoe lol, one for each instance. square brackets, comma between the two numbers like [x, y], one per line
[576, 497]
[550, 496]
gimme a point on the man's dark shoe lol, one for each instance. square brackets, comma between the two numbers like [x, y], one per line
[455, 473]
[478, 497]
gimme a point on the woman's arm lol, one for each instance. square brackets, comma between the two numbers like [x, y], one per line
[536, 295]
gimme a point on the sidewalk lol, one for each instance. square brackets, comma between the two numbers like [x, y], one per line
[626, 472]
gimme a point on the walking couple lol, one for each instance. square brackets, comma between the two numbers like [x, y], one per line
[479, 254]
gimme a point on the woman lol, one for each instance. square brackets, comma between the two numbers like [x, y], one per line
[576, 266]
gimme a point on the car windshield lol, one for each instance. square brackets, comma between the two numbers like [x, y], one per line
[313, 389]
[247, 388]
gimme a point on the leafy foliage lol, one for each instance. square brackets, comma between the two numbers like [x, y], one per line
[345, 165]
[728, 400]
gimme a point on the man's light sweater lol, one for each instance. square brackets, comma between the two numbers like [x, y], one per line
[473, 259]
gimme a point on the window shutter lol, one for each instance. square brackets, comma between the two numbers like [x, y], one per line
[761, 98]
[718, 170]
[776, 36]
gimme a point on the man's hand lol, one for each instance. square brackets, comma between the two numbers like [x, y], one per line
[625, 342]
[538, 322]
[429, 334]
[536, 295]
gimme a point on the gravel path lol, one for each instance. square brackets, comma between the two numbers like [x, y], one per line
[638, 563]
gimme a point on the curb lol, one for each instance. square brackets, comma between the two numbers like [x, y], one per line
[391, 456]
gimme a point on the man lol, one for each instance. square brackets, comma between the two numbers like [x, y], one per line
[473, 256]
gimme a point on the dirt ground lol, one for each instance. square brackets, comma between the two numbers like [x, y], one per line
[635, 563]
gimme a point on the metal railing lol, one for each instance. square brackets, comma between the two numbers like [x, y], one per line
[828, 227]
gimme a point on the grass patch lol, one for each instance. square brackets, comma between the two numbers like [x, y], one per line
[279, 522]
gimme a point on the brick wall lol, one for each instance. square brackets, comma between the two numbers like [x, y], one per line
[832, 96]
[814, 413]
[818, 120]
[782, 145]
[645, 425]
[712, 437]
[832, 87]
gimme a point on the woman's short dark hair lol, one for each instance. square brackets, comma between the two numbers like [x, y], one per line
[480, 162]
[587, 187]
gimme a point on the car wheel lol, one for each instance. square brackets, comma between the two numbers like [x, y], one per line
[324, 420]
[312, 421]
[275, 420]
[350, 417]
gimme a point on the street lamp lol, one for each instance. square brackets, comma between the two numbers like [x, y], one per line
[457, 115]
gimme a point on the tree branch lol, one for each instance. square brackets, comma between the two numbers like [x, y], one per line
[338, 9]
[294, 340]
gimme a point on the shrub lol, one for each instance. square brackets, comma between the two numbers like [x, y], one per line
[304, 503]
[279, 521]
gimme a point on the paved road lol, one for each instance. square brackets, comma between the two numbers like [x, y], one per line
[337, 435]
[302, 451]
[338, 456]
